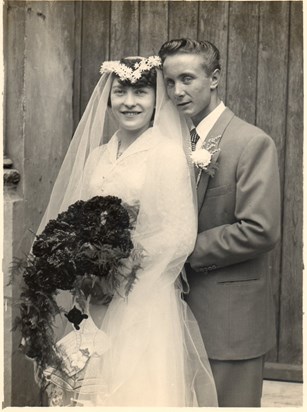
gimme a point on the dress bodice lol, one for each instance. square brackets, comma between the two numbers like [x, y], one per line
[122, 177]
[129, 370]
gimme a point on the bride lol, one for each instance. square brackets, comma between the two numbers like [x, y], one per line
[146, 347]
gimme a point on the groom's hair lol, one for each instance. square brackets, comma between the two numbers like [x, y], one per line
[208, 50]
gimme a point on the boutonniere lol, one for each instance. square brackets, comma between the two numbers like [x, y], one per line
[206, 161]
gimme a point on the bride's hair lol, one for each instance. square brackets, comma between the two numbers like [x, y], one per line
[147, 79]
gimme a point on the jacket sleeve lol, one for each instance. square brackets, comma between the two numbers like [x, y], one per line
[257, 211]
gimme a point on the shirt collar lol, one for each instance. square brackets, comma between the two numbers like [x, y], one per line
[204, 127]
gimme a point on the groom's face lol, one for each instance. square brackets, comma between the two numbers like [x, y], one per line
[188, 85]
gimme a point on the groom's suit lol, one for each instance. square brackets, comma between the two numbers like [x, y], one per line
[239, 220]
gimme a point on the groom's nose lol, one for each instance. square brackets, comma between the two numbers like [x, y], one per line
[178, 90]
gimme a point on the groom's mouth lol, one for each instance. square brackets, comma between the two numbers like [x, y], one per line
[182, 105]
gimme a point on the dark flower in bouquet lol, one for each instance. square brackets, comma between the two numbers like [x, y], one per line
[85, 251]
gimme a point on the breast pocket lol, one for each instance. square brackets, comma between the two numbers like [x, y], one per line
[238, 282]
[236, 276]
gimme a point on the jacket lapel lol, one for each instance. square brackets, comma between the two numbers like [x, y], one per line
[217, 131]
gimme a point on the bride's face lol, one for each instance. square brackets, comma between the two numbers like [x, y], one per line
[132, 106]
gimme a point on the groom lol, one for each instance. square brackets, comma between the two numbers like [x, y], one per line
[239, 222]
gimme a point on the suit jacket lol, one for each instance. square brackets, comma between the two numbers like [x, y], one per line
[239, 222]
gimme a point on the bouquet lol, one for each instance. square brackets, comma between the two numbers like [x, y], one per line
[85, 251]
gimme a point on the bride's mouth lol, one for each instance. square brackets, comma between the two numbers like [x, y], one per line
[130, 114]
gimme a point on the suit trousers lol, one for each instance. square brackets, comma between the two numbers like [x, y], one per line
[238, 382]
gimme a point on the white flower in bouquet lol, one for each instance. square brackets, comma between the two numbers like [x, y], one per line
[79, 359]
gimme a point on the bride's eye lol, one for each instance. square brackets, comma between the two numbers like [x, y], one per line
[118, 92]
[169, 83]
[140, 92]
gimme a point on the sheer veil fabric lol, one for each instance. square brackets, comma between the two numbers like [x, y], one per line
[146, 348]
[91, 133]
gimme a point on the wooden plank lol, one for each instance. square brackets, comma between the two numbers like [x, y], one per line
[213, 26]
[282, 394]
[242, 59]
[275, 272]
[283, 372]
[271, 106]
[124, 29]
[272, 72]
[77, 65]
[14, 52]
[48, 86]
[290, 346]
[8, 256]
[95, 45]
[19, 389]
[45, 71]
[183, 19]
[153, 26]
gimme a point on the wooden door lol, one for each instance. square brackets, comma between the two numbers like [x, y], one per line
[262, 82]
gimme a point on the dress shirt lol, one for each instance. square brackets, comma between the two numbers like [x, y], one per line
[204, 127]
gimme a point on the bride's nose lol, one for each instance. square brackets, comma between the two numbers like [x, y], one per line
[129, 99]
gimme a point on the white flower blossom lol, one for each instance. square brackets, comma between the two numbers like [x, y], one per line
[78, 360]
[127, 73]
[201, 158]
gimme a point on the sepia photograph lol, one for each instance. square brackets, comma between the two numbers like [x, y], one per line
[152, 227]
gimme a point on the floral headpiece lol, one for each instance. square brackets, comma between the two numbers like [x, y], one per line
[127, 73]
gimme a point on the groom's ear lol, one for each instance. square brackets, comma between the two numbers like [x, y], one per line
[215, 79]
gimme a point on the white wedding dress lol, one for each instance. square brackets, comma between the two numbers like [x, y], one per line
[151, 353]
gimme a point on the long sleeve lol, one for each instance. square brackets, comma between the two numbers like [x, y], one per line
[166, 226]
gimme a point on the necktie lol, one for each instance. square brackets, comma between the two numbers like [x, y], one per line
[194, 138]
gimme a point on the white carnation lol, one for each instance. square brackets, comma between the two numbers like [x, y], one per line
[201, 158]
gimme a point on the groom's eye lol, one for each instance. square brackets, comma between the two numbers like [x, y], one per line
[187, 79]
[169, 83]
